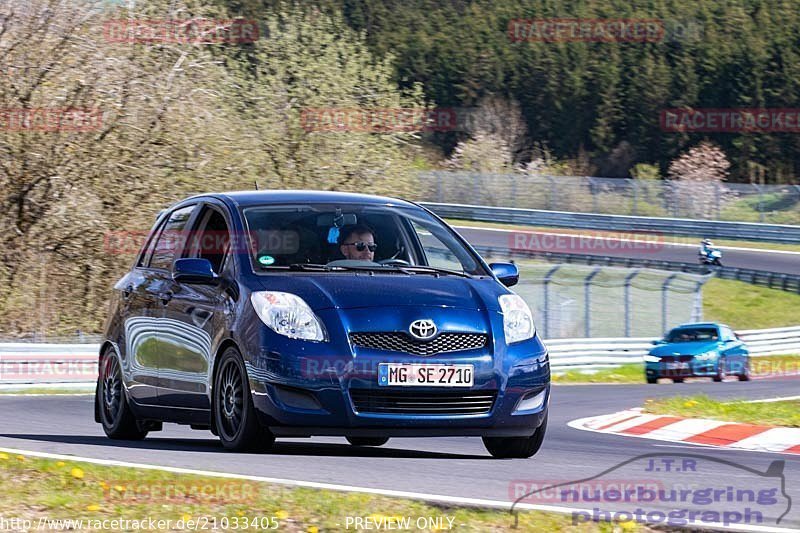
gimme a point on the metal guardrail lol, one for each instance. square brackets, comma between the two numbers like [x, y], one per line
[772, 280]
[49, 364]
[623, 223]
[596, 353]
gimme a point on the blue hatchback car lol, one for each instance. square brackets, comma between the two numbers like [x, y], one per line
[698, 350]
[270, 314]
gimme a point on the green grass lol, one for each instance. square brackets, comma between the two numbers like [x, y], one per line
[745, 306]
[634, 373]
[783, 413]
[666, 239]
[33, 488]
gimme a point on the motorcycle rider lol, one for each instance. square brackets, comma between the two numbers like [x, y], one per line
[706, 246]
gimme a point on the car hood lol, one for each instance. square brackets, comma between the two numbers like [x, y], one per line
[349, 290]
[684, 348]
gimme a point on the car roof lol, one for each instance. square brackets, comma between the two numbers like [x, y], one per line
[697, 324]
[248, 198]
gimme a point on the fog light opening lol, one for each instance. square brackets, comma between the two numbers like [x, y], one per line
[531, 401]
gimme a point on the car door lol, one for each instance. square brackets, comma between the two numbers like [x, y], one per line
[138, 312]
[144, 336]
[194, 317]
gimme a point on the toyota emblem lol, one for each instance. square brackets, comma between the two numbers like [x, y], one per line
[422, 329]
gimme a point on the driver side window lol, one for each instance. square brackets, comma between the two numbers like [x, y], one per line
[210, 239]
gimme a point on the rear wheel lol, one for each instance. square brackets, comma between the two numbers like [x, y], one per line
[677, 380]
[234, 415]
[516, 447]
[652, 380]
[116, 416]
[367, 441]
[745, 373]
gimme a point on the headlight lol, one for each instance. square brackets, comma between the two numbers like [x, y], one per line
[287, 314]
[706, 356]
[517, 318]
[651, 358]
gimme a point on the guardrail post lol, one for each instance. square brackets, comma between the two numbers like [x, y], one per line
[546, 287]
[627, 298]
[552, 197]
[697, 309]
[587, 301]
[664, 293]
[635, 188]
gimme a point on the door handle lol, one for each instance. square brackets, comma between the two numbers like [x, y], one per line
[165, 297]
[127, 292]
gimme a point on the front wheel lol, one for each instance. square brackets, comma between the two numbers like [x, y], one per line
[516, 447]
[235, 417]
[745, 374]
[652, 380]
[367, 441]
[116, 416]
[721, 370]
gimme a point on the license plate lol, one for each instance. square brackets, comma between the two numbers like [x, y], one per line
[677, 366]
[425, 375]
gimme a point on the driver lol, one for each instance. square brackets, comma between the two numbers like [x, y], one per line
[358, 242]
[706, 245]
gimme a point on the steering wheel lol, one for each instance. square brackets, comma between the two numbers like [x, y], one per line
[393, 261]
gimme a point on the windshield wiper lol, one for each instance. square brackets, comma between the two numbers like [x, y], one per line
[431, 270]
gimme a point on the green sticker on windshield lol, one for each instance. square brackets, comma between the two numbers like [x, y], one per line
[266, 260]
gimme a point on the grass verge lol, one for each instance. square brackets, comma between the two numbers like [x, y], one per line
[783, 413]
[745, 306]
[36, 488]
[768, 366]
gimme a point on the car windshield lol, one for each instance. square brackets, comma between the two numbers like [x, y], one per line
[351, 237]
[692, 335]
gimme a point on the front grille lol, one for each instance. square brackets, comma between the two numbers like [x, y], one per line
[402, 342]
[676, 358]
[423, 403]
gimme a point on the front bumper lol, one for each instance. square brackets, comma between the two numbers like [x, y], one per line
[689, 368]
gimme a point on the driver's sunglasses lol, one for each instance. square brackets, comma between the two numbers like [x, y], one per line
[361, 245]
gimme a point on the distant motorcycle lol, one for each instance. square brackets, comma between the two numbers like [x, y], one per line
[710, 256]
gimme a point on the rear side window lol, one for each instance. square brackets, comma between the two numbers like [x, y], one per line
[170, 238]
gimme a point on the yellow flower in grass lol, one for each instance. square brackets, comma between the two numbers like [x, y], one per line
[312, 529]
[629, 525]
[93, 507]
[186, 517]
[119, 488]
[690, 403]
[103, 485]
[61, 463]
[77, 473]
[281, 515]
[239, 513]
[3, 457]
[21, 458]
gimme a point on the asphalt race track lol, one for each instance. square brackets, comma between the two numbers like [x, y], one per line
[440, 466]
[651, 247]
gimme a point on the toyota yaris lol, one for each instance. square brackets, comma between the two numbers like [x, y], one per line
[259, 315]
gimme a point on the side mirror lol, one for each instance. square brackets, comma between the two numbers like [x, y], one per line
[507, 273]
[194, 270]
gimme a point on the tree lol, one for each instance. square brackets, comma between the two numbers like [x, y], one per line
[697, 181]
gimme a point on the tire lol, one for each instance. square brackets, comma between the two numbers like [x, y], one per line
[677, 380]
[745, 374]
[652, 380]
[516, 447]
[721, 373]
[116, 417]
[367, 441]
[235, 417]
